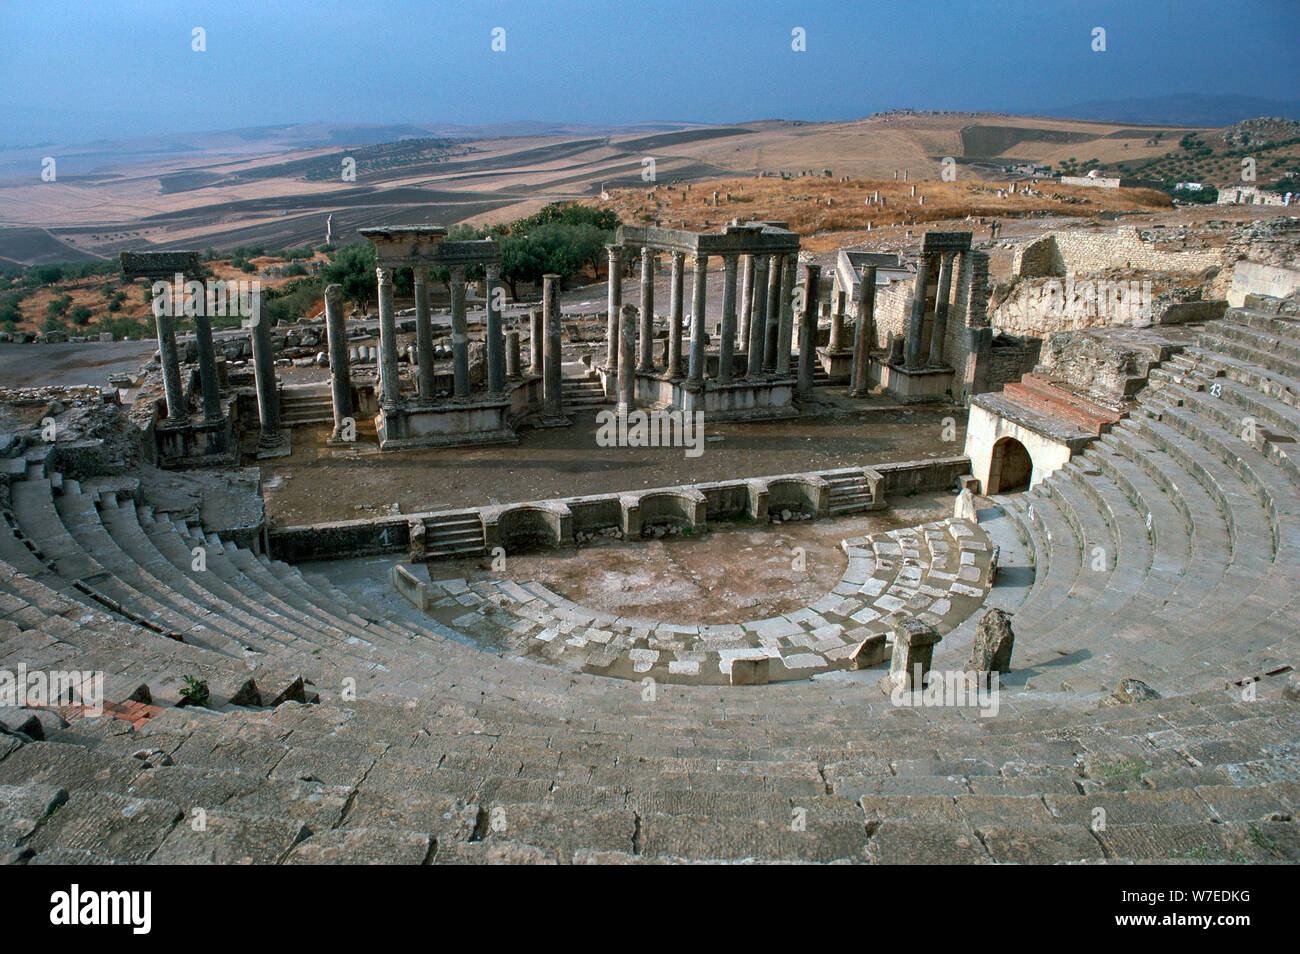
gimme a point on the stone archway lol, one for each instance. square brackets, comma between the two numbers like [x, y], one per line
[1011, 468]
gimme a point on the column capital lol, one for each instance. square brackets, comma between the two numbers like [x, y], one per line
[702, 260]
[334, 293]
[678, 257]
[384, 274]
[458, 273]
[420, 275]
[492, 271]
[648, 254]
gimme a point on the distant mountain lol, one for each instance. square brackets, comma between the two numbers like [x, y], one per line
[1180, 109]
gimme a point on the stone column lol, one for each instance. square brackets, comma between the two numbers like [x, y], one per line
[209, 383]
[675, 315]
[512, 355]
[837, 325]
[746, 299]
[916, 320]
[646, 359]
[207, 366]
[459, 334]
[551, 407]
[757, 319]
[390, 391]
[698, 293]
[626, 360]
[340, 376]
[615, 305]
[167, 358]
[864, 333]
[812, 276]
[773, 324]
[496, 345]
[940, 327]
[785, 327]
[535, 341]
[268, 397]
[727, 337]
[423, 333]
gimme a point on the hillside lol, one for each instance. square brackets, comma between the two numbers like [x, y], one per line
[282, 196]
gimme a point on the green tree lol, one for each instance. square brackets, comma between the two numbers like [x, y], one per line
[58, 306]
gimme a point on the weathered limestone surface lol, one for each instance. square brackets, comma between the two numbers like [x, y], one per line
[994, 640]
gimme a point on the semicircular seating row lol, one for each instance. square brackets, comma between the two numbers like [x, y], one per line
[442, 738]
[1171, 545]
[939, 572]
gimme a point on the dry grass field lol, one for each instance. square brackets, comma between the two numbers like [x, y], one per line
[281, 198]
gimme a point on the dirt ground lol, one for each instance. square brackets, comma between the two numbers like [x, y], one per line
[736, 571]
[319, 483]
[46, 365]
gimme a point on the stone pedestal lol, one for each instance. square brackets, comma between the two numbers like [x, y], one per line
[450, 424]
[838, 365]
[909, 666]
[921, 386]
[202, 443]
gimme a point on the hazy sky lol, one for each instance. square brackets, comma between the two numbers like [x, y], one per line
[125, 67]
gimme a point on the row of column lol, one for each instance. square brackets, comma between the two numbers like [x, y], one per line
[169, 361]
[497, 349]
[912, 359]
[766, 321]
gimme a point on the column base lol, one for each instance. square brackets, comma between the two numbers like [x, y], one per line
[279, 445]
[196, 443]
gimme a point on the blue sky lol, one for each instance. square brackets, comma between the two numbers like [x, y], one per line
[88, 68]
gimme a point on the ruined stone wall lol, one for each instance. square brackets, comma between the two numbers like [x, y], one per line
[1085, 252]
[1254, 278]
[893, 304]
[1009, 362]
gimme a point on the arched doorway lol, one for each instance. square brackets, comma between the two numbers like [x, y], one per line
[1011, 467]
